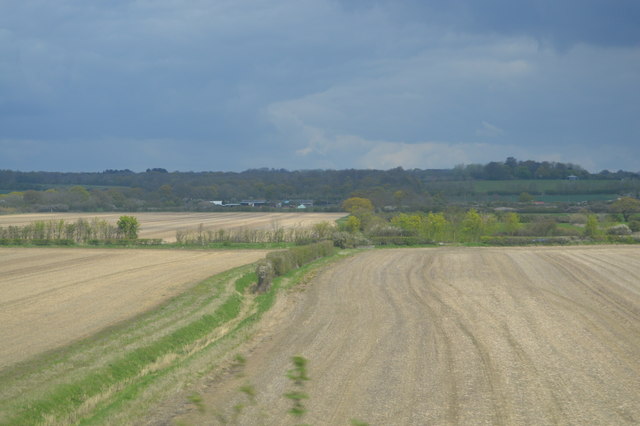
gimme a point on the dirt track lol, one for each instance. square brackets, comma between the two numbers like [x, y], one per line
[50, 297]
[165, 225]
[455, 336]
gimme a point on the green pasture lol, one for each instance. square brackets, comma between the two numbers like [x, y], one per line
[555, 185]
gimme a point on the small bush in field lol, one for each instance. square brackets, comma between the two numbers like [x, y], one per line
[298, 375]
[347, 240]
[621, 229]
[265, 274]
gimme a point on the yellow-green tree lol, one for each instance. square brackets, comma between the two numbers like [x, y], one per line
[413, 224]
[361, 208]
[357, 205]
[352, 224]
[472, 225]
[591, 229]
[489, 223]
[129, 226]
[437, 226]
[511, 223]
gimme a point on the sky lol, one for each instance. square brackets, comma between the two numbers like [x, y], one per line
[200, 85]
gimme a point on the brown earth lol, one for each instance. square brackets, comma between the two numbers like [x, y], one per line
[451, 336]
[50, 297]
[165, 225]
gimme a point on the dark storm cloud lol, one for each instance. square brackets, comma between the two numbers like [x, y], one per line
[561, 23]
[196, 85]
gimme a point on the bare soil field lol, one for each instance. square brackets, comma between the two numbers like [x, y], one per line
[441, 336]
[51, 297]
[165, 225]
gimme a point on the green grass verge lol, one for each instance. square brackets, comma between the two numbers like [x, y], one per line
[68, 396]
[262, 302]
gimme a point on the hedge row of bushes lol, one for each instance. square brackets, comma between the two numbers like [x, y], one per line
[137, 242]
[68, 242]
[623, 239]
[35, 242]
[400, 241]
[346, 240]
[279, 263]
[521, 241]
[80, 231]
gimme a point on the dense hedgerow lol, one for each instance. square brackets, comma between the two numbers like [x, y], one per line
[345, 240]
[279, 263]
[520, 241]
[61, 232]
[400, 241]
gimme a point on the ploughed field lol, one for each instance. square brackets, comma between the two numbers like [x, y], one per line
[50, 297]
[452, 336]
[165, 225]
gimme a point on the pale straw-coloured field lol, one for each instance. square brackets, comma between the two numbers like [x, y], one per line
[454, 336]
[50, 297]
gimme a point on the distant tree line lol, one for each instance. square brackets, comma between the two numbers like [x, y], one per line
[157, 188]
[514, 169]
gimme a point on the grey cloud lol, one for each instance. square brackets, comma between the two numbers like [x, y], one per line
[562, 24]
[208, 82]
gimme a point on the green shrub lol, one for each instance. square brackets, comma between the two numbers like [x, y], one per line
[621, 229]
[400, 241]
[149, 241]
[386, 230]
[37, 242]
[623, 239]
[348, 240]
[281, 262]
[522, 241]
[351, 224]
[265, 273]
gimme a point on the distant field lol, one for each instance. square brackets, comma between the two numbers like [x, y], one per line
[165, 225]
[51, 297]
[540, 186]
[565, 198]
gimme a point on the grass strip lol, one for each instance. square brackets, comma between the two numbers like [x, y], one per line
[263, 302]
[64, 398]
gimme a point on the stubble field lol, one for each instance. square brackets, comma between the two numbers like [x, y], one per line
[50, 297]
[165, 225]
[500, 336]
